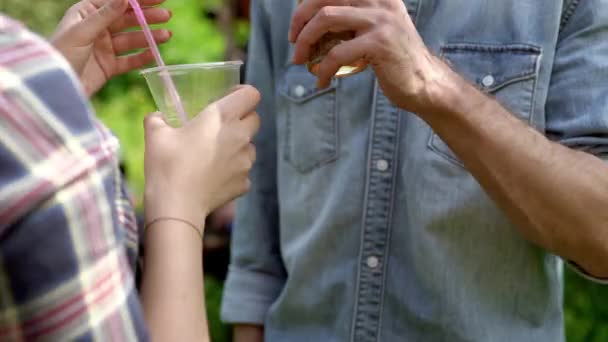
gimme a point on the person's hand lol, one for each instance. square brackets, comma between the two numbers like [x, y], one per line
[93, 39]
[193, 170]
[385, 37]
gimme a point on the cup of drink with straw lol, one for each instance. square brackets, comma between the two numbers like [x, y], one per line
[198, 85]
[182, 91]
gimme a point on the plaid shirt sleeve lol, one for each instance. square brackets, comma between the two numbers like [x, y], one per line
[67, 233]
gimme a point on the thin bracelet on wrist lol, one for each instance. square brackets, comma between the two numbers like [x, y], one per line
[175, 219]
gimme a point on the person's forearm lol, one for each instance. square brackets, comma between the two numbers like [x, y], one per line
[172, 289]
[248, 333]
[556, 196]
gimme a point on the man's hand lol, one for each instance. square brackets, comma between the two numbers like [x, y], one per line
[92, 37]
[248, 333]
[385, 37]
[556, 196]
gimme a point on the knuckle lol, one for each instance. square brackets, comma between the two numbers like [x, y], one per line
[245, 164]
[257, 96]
[333, 56]
[257, 121]
[383, 36]
[151, 121]
[247, 185]
[297, 19]
[148, 122]
[326, 13]
[244, 138]
[383, 17]
[248, 164]
[252, 93]
[212, 109]
[253, 153]
[305, 38]
[251, 89]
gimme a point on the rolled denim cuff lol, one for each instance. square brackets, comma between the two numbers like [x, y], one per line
[248, 296]
[580, 271]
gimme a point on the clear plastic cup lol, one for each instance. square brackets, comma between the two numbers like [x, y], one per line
[197, 86]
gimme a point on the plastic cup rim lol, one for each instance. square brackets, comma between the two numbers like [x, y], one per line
[179, 67]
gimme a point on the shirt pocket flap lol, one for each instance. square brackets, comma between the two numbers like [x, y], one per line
[492, 67]
[507, 72]
[310, 120]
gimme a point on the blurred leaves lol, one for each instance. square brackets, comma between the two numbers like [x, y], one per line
[586, 313]
[42, 16]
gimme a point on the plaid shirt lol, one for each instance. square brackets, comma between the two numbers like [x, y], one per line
[68, 237]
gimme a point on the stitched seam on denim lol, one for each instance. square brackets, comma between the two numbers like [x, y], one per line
[418, 10]
[364, 212]
[515, 48]
[567, 14]
[390, 219]
[432, 144]
[265, 23]
[336, 127]
[377, 217]
[288, 155]
[287, 150]
[299, 100]
[518, 78]
[535, 83]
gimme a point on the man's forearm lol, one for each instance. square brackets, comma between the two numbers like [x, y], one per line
[556, 196]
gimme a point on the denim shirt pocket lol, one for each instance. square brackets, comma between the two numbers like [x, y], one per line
[311, 130]
[507, 72]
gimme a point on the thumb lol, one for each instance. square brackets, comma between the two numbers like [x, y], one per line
[93, 25]
[153, 122]
[238, 103]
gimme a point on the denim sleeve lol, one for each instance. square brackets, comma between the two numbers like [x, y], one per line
[577, 103]
[257, 274]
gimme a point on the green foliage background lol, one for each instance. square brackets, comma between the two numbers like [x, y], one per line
[123, 104]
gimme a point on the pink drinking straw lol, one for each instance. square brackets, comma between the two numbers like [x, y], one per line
[169, 85]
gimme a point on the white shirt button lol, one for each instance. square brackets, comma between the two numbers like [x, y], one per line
[373, 262]
[488, 81]
[299, 90]
[382, 165]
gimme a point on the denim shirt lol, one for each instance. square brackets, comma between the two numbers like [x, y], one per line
[363, 225]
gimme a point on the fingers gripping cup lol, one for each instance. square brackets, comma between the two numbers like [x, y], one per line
[197, 85]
